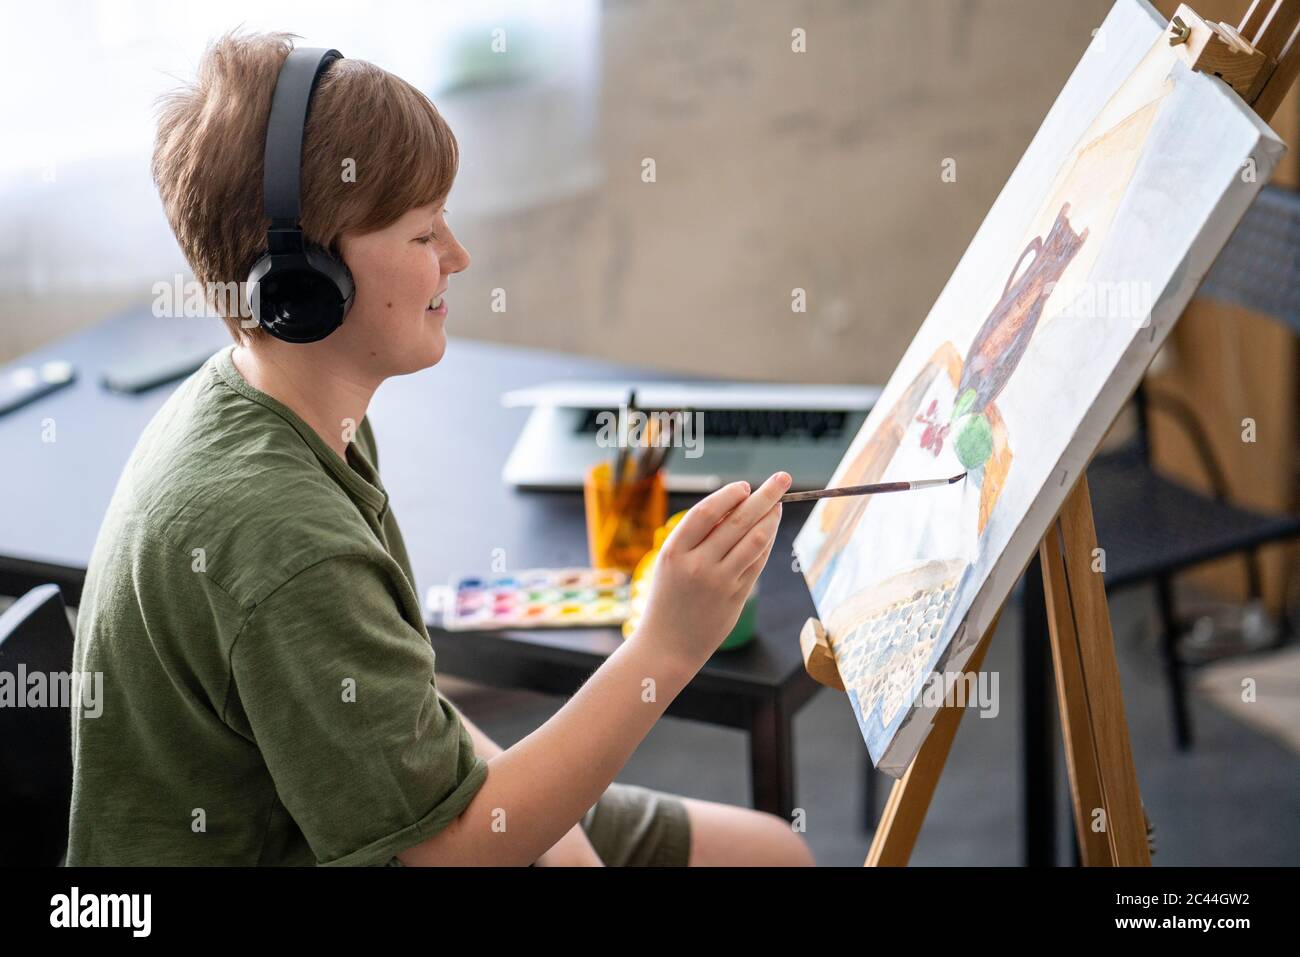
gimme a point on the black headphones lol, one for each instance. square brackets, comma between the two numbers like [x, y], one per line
[297, 292]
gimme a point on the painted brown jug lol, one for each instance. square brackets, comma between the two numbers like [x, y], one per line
[1002, 339]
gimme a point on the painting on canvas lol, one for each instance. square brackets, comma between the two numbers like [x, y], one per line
[1126, 194]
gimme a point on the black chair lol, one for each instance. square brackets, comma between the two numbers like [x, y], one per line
[1151, 526]
[35, 742]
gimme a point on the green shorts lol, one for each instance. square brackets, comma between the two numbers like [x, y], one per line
[633, 826]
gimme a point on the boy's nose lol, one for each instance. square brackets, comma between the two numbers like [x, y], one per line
[457, 260]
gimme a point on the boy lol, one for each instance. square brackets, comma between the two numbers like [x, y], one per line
[269, 686]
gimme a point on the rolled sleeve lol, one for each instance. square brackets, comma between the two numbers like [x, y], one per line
[338, 690]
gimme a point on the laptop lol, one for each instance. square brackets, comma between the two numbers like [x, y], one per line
[727, 431]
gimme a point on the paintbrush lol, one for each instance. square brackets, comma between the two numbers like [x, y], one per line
[623, 461]
[620, 460]
[657, 456]
[869, 489]
[647, 451]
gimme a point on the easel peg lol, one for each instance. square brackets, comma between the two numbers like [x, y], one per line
[818, 659]
[1214, 49]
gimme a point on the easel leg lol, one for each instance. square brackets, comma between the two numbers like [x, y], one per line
[1103, 779]
[909, 799]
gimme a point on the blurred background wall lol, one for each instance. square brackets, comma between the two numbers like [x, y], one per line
[774, 169]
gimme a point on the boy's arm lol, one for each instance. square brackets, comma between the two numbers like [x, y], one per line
[536, 791]
[484, 746]
[572, 850]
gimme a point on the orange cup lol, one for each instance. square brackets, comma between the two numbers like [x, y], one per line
[621, 521]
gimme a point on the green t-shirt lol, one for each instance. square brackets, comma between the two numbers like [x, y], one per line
[268, 682]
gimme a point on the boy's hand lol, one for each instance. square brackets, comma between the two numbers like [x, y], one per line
[707, 567]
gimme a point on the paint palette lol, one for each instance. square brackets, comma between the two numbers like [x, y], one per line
[536, 598]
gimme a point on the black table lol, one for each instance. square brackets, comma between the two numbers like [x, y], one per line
[443, 437]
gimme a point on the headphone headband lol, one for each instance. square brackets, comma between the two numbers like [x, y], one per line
[282, 161]
[297, 292]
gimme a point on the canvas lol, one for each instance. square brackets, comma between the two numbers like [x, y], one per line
[1115, 212]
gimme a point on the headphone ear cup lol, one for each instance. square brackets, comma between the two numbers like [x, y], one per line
[326, 263]
[300, 297]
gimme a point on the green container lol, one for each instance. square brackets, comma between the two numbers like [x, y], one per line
[743, 633]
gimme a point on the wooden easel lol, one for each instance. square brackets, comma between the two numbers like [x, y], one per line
[1259, 59]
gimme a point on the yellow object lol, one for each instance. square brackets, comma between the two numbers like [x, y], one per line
[644, 573]
[741, 635]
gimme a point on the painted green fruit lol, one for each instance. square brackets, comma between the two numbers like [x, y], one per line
[963, 403]
[974, 441]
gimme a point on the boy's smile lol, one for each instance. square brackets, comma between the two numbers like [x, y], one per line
[437, 306]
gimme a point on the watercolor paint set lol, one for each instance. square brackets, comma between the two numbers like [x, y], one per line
[536, 598]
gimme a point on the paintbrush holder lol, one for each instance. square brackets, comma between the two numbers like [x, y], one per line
[621, 521]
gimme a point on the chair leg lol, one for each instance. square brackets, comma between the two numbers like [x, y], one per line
[1254, 577]
[1285, 627]
[1038, 726]
[1174, 672]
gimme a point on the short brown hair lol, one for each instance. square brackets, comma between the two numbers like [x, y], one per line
[207, 159]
